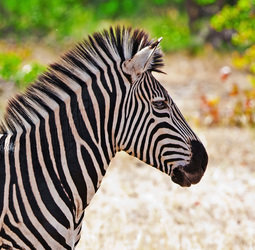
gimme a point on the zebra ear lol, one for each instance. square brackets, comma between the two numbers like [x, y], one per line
[141, 61]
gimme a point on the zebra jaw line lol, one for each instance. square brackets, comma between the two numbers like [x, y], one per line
[58, 138]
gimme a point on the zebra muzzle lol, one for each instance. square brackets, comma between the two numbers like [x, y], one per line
[180, 177]
[193, 172]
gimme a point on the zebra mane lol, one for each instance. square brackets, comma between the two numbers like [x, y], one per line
[119, 44]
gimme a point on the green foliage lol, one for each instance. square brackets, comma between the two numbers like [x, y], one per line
[12, 69]
[241, 19]
[129, 8]
[28, 73]
[66, 20]
[9, 65]
[205, 2]
[39, 17]
[172, 26]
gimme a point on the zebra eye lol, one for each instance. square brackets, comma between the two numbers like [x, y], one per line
[160, 104]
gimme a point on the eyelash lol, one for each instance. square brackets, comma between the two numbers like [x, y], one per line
[160, 104]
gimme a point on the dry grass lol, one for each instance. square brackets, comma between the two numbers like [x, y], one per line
[139, 208]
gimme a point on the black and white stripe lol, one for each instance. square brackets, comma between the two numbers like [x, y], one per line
[58, 138]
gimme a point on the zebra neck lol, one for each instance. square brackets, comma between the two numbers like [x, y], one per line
[67, 124]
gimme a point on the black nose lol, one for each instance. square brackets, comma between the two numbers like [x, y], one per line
[193, 172]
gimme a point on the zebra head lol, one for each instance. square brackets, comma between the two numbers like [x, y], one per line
[155, 130]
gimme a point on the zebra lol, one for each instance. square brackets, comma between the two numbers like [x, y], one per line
[58, 138]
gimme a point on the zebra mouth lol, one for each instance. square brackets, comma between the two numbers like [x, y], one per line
[183, 178]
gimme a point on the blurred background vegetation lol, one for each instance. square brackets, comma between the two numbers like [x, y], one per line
[190, 25]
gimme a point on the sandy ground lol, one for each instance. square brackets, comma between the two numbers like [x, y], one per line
[140, 208]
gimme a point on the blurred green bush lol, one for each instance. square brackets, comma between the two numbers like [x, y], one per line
[12, 69]
[241, 19]
[66, 20]
[205, 2]
[41, 17]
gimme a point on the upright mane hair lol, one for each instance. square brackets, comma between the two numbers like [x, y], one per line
[119, 44]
